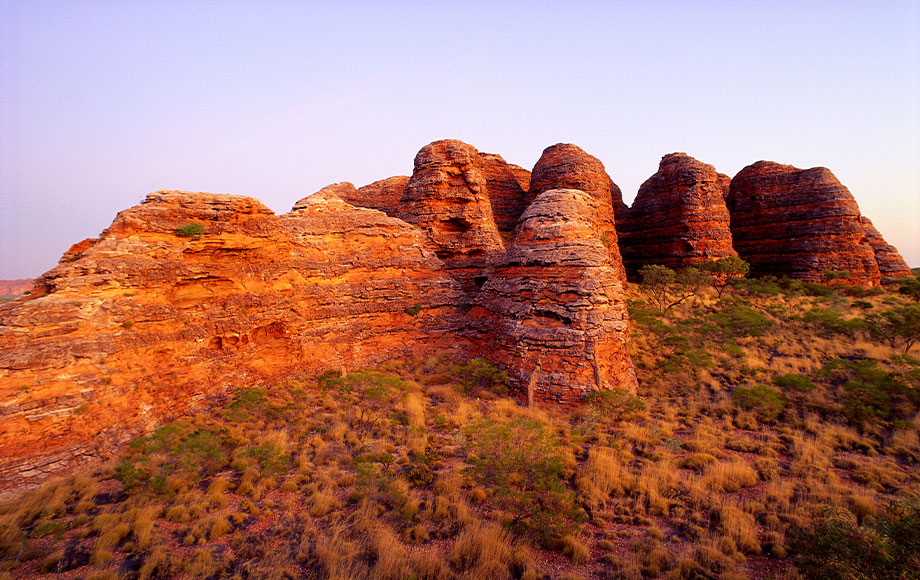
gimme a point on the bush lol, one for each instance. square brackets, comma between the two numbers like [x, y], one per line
[740, 320]
[899, 327]
[667, 288]
[614, 405]
[883, 547]
[192, 230]
[795, 382]
[482, 374]
[526, 465]
[830, 321]
[766, 402]
[725, 271]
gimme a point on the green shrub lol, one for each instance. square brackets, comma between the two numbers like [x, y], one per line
[525, 464]
[887, 546]
[831, 321]
[192, 230]
[613, 405]
[479, 373]
[766, 402]
[899, 326]
[413, 310]
[737, 319]
[795, 382]
[667, 288]
[725, 272]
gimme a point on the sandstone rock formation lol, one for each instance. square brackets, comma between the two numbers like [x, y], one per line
[506, 192]
[725, 183]
[14, 287]
[383, 195]
[335, 190]
[567, 166]
[555, 304]
[447, 198]
[799, 222]
[891, 265]
[142, 325]
[678, 219]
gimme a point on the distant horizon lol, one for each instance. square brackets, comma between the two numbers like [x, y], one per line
[102, 102]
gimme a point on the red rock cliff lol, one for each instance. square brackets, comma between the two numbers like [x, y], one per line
[679, 217]
[506, 192]
[447, 198]
[567, 166]
[799, 222]
[555, 305]
[383, 195]
[890, 263]
[143, 325]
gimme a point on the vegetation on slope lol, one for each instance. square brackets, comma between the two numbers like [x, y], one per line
[774, 436]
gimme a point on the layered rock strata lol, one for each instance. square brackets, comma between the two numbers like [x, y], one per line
[383, 195]
[678, 219]
[142, 324]
[506, 190]
[800, 223]
[891, 265]
[554, 304]
[447, 198]
[567, 166]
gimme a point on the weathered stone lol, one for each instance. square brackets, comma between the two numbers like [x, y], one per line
[383, 195]
[145, 325]
[15, 287]
[891, 265]
[507, 196]
[555, 304]
[447, 198]
[567, 166]
[678, 219]
[800, 223]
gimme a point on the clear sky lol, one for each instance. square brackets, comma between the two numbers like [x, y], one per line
[103, 102]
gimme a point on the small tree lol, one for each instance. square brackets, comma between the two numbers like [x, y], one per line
[897, 326]
[724, 271]
[667, 288]
[192, 230]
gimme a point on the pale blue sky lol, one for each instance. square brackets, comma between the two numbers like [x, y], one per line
[103, 102]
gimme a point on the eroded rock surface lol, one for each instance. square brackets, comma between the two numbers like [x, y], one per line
[555, 304]
[142, 325]
[506, 192]
[800, 223]
[567, 166]
[679, 217]
[383, 195]
[891, 265]
[447, 198]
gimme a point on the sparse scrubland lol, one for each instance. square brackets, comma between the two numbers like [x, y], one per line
[774, 435]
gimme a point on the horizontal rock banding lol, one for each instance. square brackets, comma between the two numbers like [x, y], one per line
[799, 223]
[679, 217]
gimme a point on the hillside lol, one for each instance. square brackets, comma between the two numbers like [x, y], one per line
[770, 434]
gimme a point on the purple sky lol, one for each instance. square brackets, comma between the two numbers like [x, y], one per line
[103, 102]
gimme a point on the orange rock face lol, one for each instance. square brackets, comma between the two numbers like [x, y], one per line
[15, 287]
[143, 325]
[566, 166]
[383, 195]
[554, 304]
[799, 222]
[891, 265]
[447, 198]
[679, 217]
[506, 192]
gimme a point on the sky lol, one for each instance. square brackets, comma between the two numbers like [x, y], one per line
[103, 102]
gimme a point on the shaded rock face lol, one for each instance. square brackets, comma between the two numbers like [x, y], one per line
[891, 265]
[554, 304]
[506, 192]
[383, 195]
[447, 198]
[798, 222]
[567, 166]
[143, 325]
[679, 217]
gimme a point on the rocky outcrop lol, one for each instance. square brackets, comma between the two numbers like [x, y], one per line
[725, 184]
[447, 198]
[567, 166]
[143, 324]
[506, 194]
[678, 219]
[891, 265]
[554, 304]
[800, 223]
[340, 191]
[15, 287]
[383, 195]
